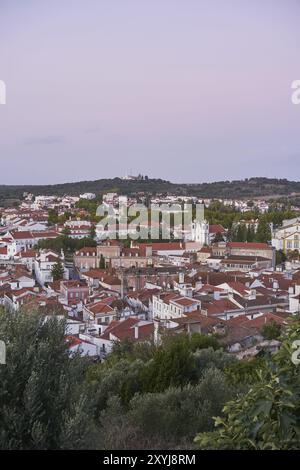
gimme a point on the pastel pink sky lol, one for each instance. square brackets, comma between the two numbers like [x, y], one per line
[186, 90]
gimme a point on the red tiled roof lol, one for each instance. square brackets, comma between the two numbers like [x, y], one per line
[95, 273]
[210, 288]
[21, 235]
[125, 329]
[264, 319]
[73, 341]
[205, 249]
[258, 322]
[87, 250]
[250, 245]
[45, 234]
[72, 284]
[168, 246]
[28, 254]
[111, 280]
[99, 307]
[185, 301]
[238, 287]
[216, 307]
[217, 228]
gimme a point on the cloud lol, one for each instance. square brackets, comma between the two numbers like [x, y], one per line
[45, 140]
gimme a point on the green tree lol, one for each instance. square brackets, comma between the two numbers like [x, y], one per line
[218, 237]
[250, 233]
[57, 271]
[263, 233]
[172, 365]
[66, 232]
[93, 232]
[268, 416]
[166, 419]
[52, 217]
[102, 262]
[280, 257]
[241, 233]
[43, 395]
[271, 330]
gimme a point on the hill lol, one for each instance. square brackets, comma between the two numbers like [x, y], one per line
[248, 188]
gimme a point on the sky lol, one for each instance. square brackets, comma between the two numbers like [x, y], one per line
[185, 90]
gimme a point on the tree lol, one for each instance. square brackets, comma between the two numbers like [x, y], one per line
[66, 243]
[244, 373]
[52, 217]
[93, 232]
[66, 232]
[271, 330]
[57, 271]
[293, 254]
[268, 416]
[166, 419]
[102, 262]
[250, 233]
[172, 366]
[43, 395]
[280, 257]
[241, 234]
[218, 237]
[263, 234]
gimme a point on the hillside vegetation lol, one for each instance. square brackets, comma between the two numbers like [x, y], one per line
[248, 188]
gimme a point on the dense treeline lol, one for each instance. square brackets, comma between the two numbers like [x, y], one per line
[218, 213]
[248, 188]
[67, 244]
[143, 396]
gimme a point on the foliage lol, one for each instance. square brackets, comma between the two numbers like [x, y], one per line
[65, 243]
[166, 419]
[280, 257]
[241, 373]
[102, 262]
[248, 188]
[57, 271]
[271, 330]
[268, 416]
[263, 234]
[143, 396]
[42, 390]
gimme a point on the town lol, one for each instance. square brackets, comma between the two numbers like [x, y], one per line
[149, 231]
[239, 281]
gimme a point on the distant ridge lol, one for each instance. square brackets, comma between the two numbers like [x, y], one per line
[248, 188]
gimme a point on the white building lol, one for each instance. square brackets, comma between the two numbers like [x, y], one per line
[88, 196]
[43, 201]
[287, 237]
[294, 299]
[200, 232]
[43, 265]
[168, 306]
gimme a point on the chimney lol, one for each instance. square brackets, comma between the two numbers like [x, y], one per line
[136, 331]
[216, 295]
